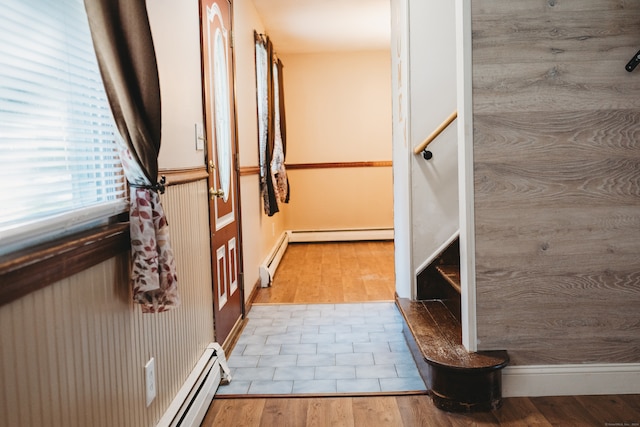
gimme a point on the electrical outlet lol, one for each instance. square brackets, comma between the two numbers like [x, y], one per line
[150, 380]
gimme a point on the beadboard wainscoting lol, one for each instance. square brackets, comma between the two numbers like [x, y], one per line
[73, 353]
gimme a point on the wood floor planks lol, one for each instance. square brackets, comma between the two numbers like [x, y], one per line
[402, 411]
[416, 411]
[333, 273]
[330, 412]
[239, 412]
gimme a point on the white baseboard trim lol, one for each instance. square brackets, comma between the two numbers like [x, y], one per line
[271, 262]
[309, 236]
[426, 263]
[571, 380]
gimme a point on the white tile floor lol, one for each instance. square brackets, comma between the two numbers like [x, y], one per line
[322, 348]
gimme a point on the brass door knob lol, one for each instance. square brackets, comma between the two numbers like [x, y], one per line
[215, 193]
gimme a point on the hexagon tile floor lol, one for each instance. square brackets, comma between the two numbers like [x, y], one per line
[322, 349]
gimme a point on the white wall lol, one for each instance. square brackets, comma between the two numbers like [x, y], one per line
[432, 75]
[338, 106]
[424, 95]
[259, 232]
[176, 34]
[339, 110]
[405, 278]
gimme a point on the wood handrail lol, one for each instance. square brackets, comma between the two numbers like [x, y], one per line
[420, 148]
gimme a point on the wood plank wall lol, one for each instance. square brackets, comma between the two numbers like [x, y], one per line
[73, 353]
[557, 179]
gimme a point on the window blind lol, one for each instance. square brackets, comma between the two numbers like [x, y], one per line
[59, 166]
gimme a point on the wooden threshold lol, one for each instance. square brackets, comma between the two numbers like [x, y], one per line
[320, 395]
[232, 339]
[458, 380]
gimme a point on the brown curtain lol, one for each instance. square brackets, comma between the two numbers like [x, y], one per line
[270, 201]
[274, 183]
[126, 56]
[283, 123]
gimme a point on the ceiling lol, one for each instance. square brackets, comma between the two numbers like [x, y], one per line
[305, 26]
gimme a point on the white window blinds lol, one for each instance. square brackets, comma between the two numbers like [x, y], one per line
[58, 161]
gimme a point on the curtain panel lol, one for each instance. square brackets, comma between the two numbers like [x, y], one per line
[126, 56]
[274, 185]
[278, 170]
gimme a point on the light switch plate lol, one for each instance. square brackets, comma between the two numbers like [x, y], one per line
[199, 137]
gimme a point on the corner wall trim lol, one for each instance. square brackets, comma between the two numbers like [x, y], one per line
[571, 380]
[307, 236]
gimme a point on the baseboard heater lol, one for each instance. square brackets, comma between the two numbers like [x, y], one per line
[191, 403]
[270, 264]
[349, 235]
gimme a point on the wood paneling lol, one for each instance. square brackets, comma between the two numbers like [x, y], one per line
[249, 170]
[73, 353]
[35, 268]
[557, 179]
[254, 170]
[184, 176]
[336, 165]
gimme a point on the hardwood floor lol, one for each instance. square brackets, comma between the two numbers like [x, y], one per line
[333, 273]
[357, 272]
[412, 411]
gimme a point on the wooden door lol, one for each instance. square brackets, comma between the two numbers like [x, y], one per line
[217, 60]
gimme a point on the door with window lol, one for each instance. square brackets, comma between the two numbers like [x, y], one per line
[217, 60]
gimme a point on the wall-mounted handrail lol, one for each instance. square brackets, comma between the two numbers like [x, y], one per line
[420, 148]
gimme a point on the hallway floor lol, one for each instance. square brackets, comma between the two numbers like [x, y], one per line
[328, 324]
[322, 348]
[321, 307]
[335, 272]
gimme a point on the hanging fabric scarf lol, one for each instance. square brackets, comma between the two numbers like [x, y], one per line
[126, 56]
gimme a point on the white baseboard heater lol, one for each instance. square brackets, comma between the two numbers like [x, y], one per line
[270, 264]
[191, 403]
[351, 235]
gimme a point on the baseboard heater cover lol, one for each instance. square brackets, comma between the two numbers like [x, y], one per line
[191, 403]
[270, 264]
[353, 235]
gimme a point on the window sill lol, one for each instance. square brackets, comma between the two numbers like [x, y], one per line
[29, 270]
